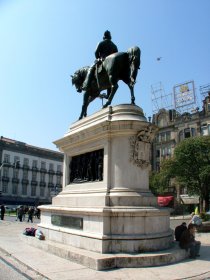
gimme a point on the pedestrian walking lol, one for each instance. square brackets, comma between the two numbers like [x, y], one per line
[30, 214]
[2, 211]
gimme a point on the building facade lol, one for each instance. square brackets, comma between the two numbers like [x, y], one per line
[29, 175]
[174, 128]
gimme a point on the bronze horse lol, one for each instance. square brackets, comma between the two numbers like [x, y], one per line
[118, 66]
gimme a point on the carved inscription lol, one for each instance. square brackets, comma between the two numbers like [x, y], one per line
[66, 221]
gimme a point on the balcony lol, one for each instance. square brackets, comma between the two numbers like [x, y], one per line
[34, 183]
[59, 173]
[6, 164]
[15, 180]
[51, 171]
[43, 170]
[59, 186]
[34, 168]
[51, 185]
[25, 181]
[42, 184]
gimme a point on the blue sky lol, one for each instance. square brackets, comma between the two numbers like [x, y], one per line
[43, 42]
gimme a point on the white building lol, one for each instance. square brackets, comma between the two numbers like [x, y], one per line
[29, 175]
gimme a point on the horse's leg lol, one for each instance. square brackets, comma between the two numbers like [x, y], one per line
[132, 94]
[111, 95]
[112, 90]
[84, 106]
[108, 93]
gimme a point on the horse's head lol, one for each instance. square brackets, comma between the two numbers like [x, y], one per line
[78, 78]
[76, 81]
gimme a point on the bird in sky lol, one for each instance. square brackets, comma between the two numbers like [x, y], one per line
[159, 58]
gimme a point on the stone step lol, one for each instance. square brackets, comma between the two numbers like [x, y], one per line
[98, 261]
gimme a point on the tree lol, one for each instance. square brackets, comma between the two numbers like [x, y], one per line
[159, 181]
[190, 166]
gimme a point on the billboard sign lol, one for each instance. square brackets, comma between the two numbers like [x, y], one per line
[184, 94]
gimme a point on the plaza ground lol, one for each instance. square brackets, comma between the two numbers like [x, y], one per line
[42, 265]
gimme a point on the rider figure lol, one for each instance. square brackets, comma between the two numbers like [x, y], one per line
[103, 49]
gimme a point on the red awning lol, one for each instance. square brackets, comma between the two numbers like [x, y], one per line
[164, 200]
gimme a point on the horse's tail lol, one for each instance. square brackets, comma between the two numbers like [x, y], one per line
[134, 57]
[134, 54]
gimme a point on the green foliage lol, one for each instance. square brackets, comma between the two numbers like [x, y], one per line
[204, 216]
[192, 163]
[159, 181]
[190, 166]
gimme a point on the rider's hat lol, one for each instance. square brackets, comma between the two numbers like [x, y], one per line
[107, 35]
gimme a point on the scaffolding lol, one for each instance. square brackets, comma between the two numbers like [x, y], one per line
[160, 99]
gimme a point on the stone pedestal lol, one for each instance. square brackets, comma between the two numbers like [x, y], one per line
[118, 214]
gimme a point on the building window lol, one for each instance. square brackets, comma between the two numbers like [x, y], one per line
[43, 165]
[157, 153]
[42, 192]
[193, 132]
[168, 135]
[24, 189]
[16, 159]
[5, 187]
[162, 120]
[163, 138]
[205, 129]
[14, 188]
[34, 175]
[33, 190]
[169, 151]
[25, 174]
[50, 178]
[58, 179]
[6, 158]
[187, 133]
[51, 167]
[26, 162]
[59, 168]
[34, 163]
[15, 173]
[6, 172]
[42, 177]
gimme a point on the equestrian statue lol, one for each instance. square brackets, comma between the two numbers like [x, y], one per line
[110, 67]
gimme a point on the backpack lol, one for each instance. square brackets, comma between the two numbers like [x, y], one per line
[29, 231]
[196, 221]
